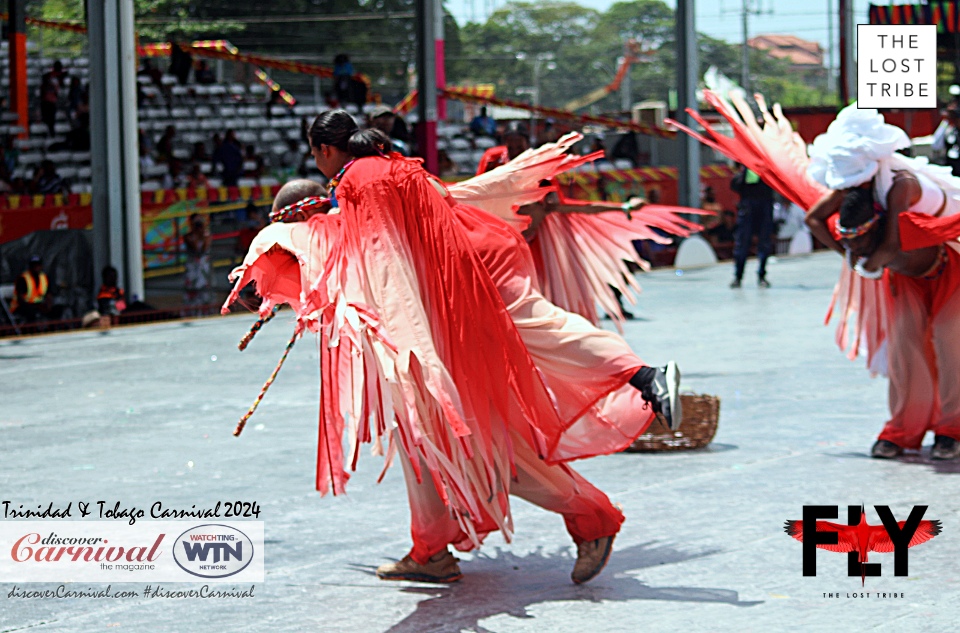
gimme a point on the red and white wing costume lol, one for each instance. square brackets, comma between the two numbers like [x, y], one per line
[578, 257]
[779, 156]
[418, 347]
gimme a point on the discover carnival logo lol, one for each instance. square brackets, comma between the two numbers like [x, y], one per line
[111, 551]
[213, 551]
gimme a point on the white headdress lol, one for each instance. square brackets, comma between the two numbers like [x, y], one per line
[852, 149]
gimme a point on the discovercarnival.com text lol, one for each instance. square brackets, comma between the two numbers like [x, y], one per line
[149, 591]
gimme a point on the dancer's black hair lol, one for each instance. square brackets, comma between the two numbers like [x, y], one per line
[857, 207]
[338, 129]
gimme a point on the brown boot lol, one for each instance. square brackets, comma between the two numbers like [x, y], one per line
[442, 567]
[591, 559]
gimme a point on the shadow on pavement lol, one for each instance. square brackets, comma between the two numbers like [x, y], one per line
[507, 584]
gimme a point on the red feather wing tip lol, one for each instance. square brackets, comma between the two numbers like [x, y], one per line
[794, 529]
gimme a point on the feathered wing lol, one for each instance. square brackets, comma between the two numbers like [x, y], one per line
[581, 257]
[503, 190]
[578, 257]
[925, 531]
[778, 155]
[846, 537]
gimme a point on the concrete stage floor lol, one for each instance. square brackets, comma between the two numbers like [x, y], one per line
[143, 414]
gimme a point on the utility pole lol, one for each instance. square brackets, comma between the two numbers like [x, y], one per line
[17, 36]
[427, 83]
[114, 159]
[745, 50]
[829, 45]
[625, 88]
[848, 70]
[687, 75]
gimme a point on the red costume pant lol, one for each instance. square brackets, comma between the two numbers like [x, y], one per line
[587, 370]
[924, 356]
[587, 512]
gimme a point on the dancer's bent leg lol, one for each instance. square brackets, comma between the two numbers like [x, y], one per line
[912, 395]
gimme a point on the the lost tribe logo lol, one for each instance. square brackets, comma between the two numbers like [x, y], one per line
[859, 538]
[213, 551]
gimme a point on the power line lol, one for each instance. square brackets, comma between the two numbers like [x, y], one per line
[287, 19]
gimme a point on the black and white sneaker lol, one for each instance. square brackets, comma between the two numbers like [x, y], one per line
[661, 388]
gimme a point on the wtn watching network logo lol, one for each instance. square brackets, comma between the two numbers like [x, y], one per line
[213, 551]
[859, 538]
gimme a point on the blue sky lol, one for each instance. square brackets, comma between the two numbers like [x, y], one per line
[720, 18]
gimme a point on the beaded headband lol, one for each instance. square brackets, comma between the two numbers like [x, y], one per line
[857, 231]
[295, 211]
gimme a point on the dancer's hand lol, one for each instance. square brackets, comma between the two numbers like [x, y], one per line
[537, 212]
[880, 258]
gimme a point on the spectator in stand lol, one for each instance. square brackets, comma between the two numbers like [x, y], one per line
[597, 146]
[9, 154]
[292, 159]
[165, 144]
[383, 119]
[46, 180]
[708, 202]
[149, 70]
[448, 168]
[550, 133]
[196, 179]
[146, 160]
[483, 125]
[181, 62]
[722, 235]
[31, 298]
[274, 99]
[73, 97]
[230, 159]
[203, 75]
[343, 78]
[199, 154]
[254, 223]
[516, 140]
[144, 141]
[6, 179]
[78, 140]
[951, 140]
[50, 85]
[174, 178]
[111, 300]
[254, 165]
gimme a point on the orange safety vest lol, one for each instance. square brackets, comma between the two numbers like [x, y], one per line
[35, 292]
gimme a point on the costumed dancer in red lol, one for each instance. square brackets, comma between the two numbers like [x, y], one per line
[896, 221]
[460, 476]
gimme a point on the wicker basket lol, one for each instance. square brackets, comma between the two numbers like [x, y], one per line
[701, 413]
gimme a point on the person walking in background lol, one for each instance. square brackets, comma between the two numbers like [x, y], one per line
[50, 85]
[754, 217]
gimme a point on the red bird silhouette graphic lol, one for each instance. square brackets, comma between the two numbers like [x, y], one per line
[863, 537]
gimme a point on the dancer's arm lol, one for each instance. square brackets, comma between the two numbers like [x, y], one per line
[816, 218]
[551, 203]
[635, 204]
[904, 193]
